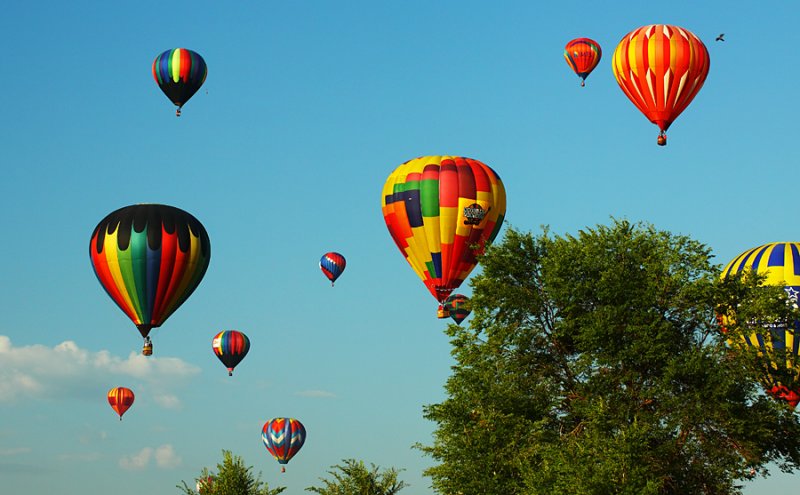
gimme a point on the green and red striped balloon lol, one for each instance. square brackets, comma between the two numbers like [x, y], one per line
[149, 258]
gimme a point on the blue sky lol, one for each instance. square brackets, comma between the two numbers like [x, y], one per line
[307, 108]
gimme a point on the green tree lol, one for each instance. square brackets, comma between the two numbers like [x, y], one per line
[232, 478]
[594, 364]
[354, 478]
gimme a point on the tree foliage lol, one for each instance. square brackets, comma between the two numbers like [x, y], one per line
[232, 478]
[594, 364]
[354, 478]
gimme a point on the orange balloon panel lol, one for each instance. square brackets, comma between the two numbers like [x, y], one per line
[661, 68]
[441, 211]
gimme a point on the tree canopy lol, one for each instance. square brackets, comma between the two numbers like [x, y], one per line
[354, 478]
[595, 364]
[232, 478]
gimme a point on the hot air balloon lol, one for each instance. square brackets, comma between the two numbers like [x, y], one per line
[441, 212]
[779, 342]
[230, 347]
[582, 55]
[149, 258]
[660, 68]
[120, 399]
[179, 73]
[332, 265]
[459, 307]
[283, 438]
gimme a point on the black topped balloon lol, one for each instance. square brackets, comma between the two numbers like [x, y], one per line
[179, 73]
[149, 258]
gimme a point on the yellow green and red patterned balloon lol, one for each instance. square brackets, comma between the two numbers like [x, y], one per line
[441, 212]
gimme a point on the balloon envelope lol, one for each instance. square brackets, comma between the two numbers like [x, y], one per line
[179, 73]
[120, 399]
[230, 346]
[660, 68]
[441, 212]
[283, 438]
[459, 307]
[780, 262]
[149, 258]
[332, 265]
[582, 56]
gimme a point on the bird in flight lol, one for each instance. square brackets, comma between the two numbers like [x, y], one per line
[721, 37]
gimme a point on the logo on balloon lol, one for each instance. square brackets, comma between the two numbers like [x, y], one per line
[473, 214]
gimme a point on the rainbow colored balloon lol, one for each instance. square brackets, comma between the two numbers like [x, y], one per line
[441, 212]
[230, 346]
[149, 258]
[120, 399]
[780, 262]
[179, 73]
[283, 438]
[582, 56]
[332, 265]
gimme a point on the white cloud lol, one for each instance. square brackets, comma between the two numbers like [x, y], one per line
[165, 458]
[66, 370]
[315, 393]
[14, 451]
[137, 461]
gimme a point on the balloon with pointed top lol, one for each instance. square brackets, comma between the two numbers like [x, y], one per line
[179, 73]
[149, 258]
[582, 56]
[778, 342]
[283, 438]
[230, 346]
[120, 399]
[332, 265]
[661, 68]
[442, 211]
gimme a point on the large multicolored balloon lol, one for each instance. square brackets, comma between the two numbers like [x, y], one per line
[120, 399]
[283, 438]
[149, 258]
[780, 263]
[582, 56]
[458, 306]
[660, 68]
[231, 347]
[332, 265]
[179, 73]
[441, 212]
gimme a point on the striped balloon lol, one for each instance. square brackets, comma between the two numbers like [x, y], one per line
[283, 438]
[660, 68]
[780, 263]
[120, 399]
[231, 347]
[149, 259]
[441, 212]
[582, 56]
[332, 265]
[179, 73]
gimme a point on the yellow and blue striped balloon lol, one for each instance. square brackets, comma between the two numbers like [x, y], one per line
[780, 263]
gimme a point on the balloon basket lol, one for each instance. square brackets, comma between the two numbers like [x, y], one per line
[442, 312]
[147, 350]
